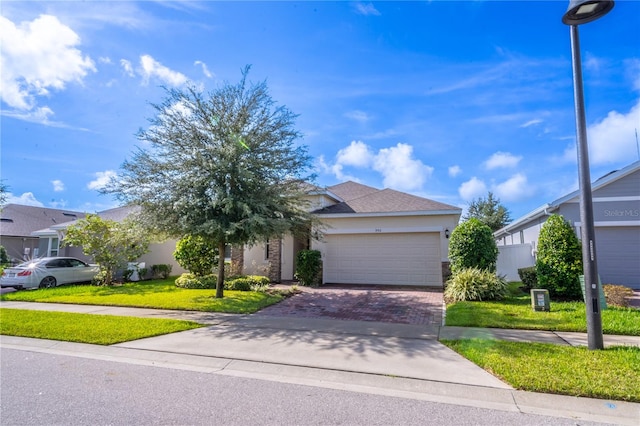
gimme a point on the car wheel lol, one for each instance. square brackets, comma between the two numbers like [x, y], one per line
[48, 282]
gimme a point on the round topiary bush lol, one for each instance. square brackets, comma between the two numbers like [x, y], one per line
[559, 260]
[472, 246]
[196, 254]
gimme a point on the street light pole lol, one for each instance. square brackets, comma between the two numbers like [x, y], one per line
[581, 12]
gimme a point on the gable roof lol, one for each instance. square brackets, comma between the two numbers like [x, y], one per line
[20, 221]
[547, 209]
[363, 199]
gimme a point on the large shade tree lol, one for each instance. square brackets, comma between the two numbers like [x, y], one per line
[223, 165]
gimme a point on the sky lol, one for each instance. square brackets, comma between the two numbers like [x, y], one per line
[446, 100]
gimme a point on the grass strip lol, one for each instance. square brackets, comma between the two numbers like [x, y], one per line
[612, 373]
[85, 328]
[159, 294]
[516, 313]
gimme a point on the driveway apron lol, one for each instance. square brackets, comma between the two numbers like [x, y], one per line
[363, 303]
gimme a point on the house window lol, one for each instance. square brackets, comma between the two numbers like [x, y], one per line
[54, 246]
[266, 251]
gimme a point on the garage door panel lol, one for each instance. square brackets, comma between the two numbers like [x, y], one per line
[394, 259]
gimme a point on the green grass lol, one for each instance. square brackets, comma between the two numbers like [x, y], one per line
[159, 294]
[612, 373]
[516, 312]
[85, 328]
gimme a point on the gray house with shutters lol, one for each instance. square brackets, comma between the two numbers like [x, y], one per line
[616, 208]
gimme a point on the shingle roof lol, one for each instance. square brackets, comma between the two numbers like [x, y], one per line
[365, 199]
[20, 221]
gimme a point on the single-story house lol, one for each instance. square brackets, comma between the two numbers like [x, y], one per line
[370, 236]
[616, 210]
[159, 253]
[19, 222]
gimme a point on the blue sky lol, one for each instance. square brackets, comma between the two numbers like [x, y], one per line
[443, 99]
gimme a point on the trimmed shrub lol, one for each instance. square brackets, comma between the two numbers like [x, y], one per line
[473, 284]
[241, 283]
[161, 270]
[309, 267]
[617, 295]
[4, 258]
[188, 280]
[559, 260]
[472, 246]
[529, 277]
[196, 254]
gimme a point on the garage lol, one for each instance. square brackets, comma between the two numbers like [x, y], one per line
[411, 259]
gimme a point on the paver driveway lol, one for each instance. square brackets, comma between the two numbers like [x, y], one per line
[363, 303]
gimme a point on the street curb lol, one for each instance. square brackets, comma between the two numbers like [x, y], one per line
[617, 412]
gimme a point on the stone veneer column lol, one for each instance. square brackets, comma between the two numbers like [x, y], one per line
[275, 260]
[237, 260]
[446, 272]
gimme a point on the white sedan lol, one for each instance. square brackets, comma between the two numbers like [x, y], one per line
[48, 272]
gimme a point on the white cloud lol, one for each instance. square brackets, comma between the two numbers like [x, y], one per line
[396, 165]
[150, 68]
[27, 199]
[58, 185]
[357, 154]
[37, 57]
[513, 189]
[454, 171]
[102, 178]
[104, 60]
[613, 138]
[399, 169]
[531, 122]
[502, 160]
[471, 189]
[366, 9]
[357, 115]
[205, 69]
[126, 66]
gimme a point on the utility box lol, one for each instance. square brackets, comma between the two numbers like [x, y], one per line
[540, 299]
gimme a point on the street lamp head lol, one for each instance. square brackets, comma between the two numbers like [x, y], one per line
[583, 11]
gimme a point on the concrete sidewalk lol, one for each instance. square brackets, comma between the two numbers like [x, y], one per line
[383, 358]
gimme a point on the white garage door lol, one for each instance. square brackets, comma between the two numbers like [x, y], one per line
[393, 259]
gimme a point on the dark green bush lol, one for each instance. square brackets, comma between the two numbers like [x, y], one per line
[559, 260]
[4, 258]
[529, 277]
[472, 284]
[472, 246]
[161, 270]
[197, 254]
[309, 267]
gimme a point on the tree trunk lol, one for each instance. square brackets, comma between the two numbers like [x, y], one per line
[220, 283]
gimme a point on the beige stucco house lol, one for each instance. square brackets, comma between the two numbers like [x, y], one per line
[369, 236]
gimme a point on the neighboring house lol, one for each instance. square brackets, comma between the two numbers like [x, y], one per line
[370, 236]
[616, 209]
[18, 223]
[48, 239]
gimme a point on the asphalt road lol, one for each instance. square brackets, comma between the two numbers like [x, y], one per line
[49, 389]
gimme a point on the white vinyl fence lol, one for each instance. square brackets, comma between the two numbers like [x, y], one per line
[513, 257]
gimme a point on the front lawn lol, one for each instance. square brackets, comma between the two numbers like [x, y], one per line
[612, 373]
[159, 294]
[85, 328]
[515, 312]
